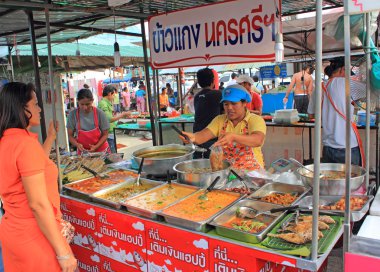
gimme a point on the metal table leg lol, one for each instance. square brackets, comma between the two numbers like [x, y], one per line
[114, 137]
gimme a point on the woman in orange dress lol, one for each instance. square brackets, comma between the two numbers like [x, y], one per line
[30, 231]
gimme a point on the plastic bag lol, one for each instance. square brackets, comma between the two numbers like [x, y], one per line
[216, 158]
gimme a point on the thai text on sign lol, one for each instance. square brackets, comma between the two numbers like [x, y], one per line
[210, 35]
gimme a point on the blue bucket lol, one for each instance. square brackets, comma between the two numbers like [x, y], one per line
[362, 117]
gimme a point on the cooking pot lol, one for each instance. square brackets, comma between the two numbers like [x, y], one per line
[159, 159]
[329, 186]
[184, 174]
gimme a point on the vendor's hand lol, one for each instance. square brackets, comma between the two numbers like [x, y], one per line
[285, 100]
[53, 130]
[80, 147]
[126, 114]
[69, 265]
[225, 139]
[188, 134]
[92, 148]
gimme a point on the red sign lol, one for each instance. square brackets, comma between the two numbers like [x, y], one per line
[171, 249]
[122, 240]
[225, 256]
[87, 259]
[355, 262]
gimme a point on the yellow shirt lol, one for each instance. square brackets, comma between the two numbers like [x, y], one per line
[255, 124]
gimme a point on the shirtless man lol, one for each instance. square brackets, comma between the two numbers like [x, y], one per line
[302, 82]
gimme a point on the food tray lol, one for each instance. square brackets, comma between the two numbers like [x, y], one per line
[187, 223]
[150, 213]
[254, 238]
[277, 187]
[329, 236]
[98, 196]
[115, 176]
[307, 203]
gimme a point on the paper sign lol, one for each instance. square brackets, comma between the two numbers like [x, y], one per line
[228, 32]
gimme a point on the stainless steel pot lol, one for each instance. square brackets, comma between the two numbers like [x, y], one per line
[333, 186]
[202, 179]
[156, 163]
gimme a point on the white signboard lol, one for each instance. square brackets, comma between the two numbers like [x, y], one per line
[229, 32]
[362, 6]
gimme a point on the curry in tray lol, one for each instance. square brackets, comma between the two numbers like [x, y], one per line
[160, 197]
[199, 210]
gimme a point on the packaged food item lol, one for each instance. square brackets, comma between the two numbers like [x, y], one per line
[216, 158]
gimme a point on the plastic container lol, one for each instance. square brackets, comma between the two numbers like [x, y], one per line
[362, 116]
[286, 116]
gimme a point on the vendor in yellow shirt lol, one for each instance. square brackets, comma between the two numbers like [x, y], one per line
[239, 132]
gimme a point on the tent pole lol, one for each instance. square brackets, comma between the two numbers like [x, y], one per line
[368, 99]
[53, 93]
[318, 125]
[347, 56]
[147, 79]
[11, 63]
[37, 79]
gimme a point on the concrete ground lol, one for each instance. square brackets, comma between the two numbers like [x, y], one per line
[132, 143]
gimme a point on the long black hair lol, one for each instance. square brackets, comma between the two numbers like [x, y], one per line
[14, 97]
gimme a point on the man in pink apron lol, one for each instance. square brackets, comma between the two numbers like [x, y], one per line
[239, 132]
[89, 124]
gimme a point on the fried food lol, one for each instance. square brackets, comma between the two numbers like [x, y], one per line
[296, 238]
[323, 218]
[356, 203]
[280, 199]
[305, 226]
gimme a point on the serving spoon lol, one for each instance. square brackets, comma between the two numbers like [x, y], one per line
[209, 188]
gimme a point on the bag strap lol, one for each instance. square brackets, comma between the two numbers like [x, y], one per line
[353, 125]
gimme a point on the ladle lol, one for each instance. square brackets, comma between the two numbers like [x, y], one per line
[303, 166]
[193, 146]
[138, 183]
[209, 188]
[248, 212]
[239, 178]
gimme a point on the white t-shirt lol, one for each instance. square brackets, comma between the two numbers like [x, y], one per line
[231, 82]
[334, 126]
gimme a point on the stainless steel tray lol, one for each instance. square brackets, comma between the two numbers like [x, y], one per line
[241, 235]
[98, 196]
[276, 187]
[307, 203]
[150, 213]
[86, 196]
[195, 225]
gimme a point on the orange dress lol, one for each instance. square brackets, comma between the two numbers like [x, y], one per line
[24, 246]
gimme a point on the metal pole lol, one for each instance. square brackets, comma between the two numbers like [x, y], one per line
[53, 93]
[11, 63]
[37, 80]
[318, 125]
[147, 79]
[156, 105]
[347, 55]
[180, 89]
[157, 92]
[368, 100]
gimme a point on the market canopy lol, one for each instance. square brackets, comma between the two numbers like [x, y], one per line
[72, 20]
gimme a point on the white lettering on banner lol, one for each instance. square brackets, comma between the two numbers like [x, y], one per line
[222, 267]
[267, 267]
[64, 207]
[107, 266]
[197, 259]
[153, 234]
[209, 35]
[87, 267]
[103, 219]
[80, 222]
[136, 240]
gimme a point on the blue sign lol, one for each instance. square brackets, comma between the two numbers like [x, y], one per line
[273, 71]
